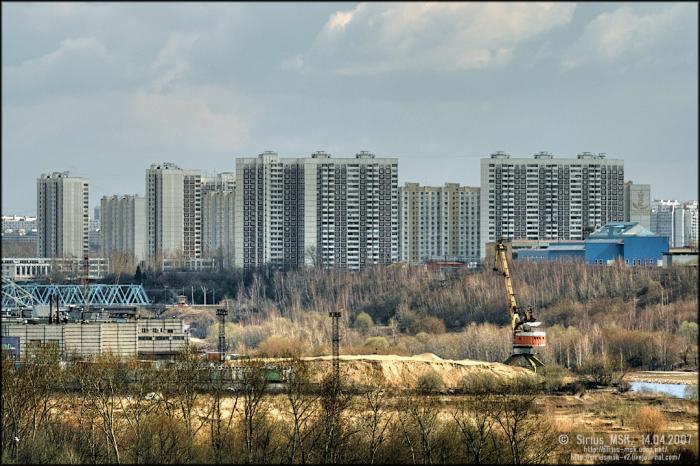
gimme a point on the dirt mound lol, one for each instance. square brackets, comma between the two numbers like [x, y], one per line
[404, 371]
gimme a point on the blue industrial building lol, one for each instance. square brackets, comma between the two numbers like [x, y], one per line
[627, 241]
[560, 250]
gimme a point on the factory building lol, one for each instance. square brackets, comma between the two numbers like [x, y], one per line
[555, 250]
[627, 241]
[145, 338]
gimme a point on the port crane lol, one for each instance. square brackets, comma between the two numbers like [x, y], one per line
[526, 339]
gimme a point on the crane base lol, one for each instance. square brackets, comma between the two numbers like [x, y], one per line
[531, 359]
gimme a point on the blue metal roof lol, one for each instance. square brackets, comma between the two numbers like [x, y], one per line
[621, 230]
[566, 247]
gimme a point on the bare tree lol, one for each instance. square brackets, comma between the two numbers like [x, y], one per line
[252, 384]
[27, 396]
[138, 404]
[375, 419]
[186, 378]
[220, 424]
[100, 387]
[302, 408]
[529, 437]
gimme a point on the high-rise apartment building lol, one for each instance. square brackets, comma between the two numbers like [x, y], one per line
[691, 224]
[18, 224]
[439, 222]
[62, 215]
[123, 226]
[332, 212]
[546, 198]
[638, 204]
[220, 182]
[218, 226]
[677, 220]
[173, 209]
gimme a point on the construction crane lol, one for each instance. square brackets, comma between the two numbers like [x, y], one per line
[526, 340]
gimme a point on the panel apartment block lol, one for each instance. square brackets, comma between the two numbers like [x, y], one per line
[548, 198]
[331, 212]
[173, 207]
[62, 215]
[439, 223]
[218, 226]
[123, 226]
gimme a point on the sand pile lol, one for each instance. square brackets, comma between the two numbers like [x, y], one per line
[404, 371]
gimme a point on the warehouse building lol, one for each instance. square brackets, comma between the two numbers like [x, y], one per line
[627, 241]
[145, 338]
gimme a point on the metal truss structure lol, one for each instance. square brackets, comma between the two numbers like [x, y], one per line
[14, 295]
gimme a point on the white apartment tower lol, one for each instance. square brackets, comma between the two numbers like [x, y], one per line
[439, 223]
[62, 215]
[331, 212]
[546, 198]
[220, 182]
[218, 226]
[173, 207]
[123, 226]
[677, 220]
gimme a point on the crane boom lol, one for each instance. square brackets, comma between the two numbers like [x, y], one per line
[501, 260]
[525, 338]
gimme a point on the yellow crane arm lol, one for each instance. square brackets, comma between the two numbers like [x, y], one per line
[501, 260]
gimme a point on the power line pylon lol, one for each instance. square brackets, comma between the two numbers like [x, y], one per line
[222, 313]
[335, 341]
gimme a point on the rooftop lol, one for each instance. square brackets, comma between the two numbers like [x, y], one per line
[621, 230]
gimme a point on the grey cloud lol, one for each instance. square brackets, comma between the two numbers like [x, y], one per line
[444, 36]
[630, 33]
[105, 89]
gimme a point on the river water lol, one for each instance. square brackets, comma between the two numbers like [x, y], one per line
[675, 390]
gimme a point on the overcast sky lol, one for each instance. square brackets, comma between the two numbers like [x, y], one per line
[105, 89]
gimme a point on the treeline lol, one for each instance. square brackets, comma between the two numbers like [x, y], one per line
[638, 317]
[110, 411]
[397, 291]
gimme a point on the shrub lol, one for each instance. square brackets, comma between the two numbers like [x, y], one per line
[598, 368]
[649, 420]
[277, 346]
[427, 324]
[377, 342]
[623, 386]
[363, 322]
[553, 377]
[478, 384]
[430, 382]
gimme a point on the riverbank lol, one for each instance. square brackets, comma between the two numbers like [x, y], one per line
[675, 377]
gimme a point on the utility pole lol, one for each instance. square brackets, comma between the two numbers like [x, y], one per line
[335, 341]
[222, 313]
[86, 291]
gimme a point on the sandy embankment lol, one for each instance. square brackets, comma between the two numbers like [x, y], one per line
[404, 371]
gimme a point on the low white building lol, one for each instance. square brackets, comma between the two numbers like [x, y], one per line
[30, 268]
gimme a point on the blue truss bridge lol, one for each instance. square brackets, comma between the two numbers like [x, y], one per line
[106, 296]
